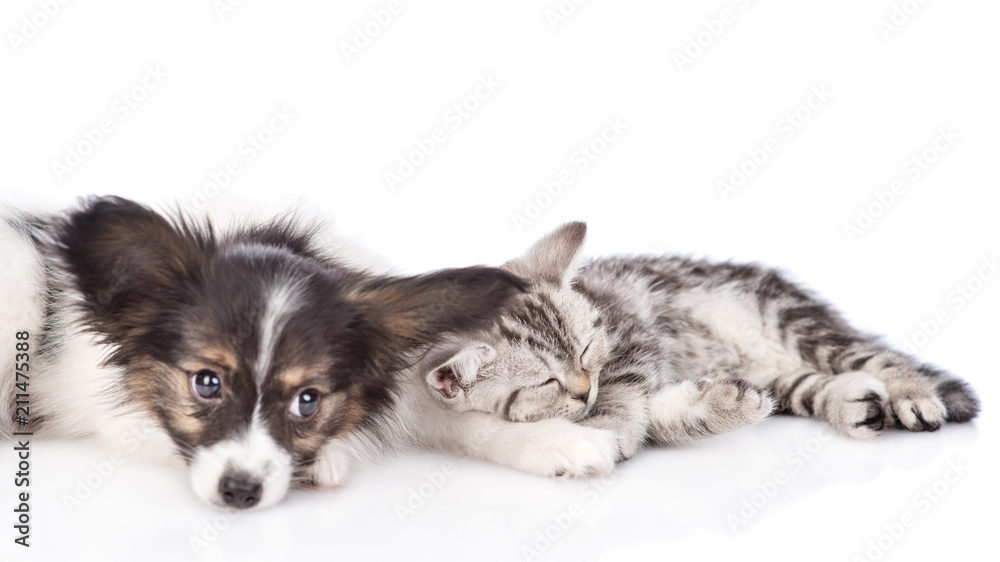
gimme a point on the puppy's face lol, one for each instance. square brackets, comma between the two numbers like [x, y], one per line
[252, 351]
[254, 369]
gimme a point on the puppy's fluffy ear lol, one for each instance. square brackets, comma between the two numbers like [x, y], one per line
[123, 254]
[423, 308]
[554, 258]
[459, 371]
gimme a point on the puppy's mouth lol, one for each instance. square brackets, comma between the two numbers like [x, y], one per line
[248, 472]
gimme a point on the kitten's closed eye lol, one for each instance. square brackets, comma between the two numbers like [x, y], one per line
[592, 357]
[583, 358]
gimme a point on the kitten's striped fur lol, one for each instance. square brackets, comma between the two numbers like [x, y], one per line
[664, 350]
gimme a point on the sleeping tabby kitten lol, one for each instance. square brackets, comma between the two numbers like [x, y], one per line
[594, 362]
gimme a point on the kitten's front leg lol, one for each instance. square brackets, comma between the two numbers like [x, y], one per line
[621, 409]
[690, 410]
[676, 413]
[551, 447]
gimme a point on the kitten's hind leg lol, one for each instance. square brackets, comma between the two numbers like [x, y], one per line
[916, 397]
[921, 397]
[693, 409]
[853, 403]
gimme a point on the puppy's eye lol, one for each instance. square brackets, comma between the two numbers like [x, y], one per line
[206, 384]
[304, 405]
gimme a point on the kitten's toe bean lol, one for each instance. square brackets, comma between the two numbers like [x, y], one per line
[854, 403]
[559, 447]
[330, 468]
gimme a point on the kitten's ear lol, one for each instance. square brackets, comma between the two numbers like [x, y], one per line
[553, 259]
[123, 254]
[459, 372]
[421, 309]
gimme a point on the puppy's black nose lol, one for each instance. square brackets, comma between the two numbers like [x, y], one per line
[239, 492]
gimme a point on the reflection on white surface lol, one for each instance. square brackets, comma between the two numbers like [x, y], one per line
[836, 494]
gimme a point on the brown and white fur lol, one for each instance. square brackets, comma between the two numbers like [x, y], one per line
[595, 361]
[241, 353]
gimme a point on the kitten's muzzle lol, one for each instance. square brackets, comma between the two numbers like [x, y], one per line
[578, 385]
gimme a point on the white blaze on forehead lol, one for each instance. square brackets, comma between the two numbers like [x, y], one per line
[254, 455]
[282, 301]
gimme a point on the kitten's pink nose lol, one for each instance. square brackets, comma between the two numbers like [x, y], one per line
[579, 387]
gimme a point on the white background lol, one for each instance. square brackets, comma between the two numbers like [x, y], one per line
[655, 188]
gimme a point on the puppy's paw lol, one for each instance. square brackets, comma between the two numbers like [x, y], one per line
[559, 447]
[855, 404]
[330, 468]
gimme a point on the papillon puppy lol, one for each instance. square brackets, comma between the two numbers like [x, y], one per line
[244, 353]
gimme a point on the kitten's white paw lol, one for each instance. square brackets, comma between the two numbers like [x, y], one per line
[695, 409]
[735, 402]
[330, 468]
[559, 447]
[915, 405]
[854, 404]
